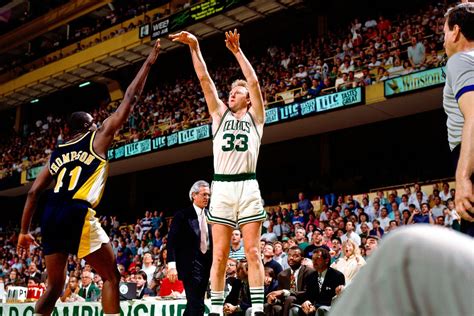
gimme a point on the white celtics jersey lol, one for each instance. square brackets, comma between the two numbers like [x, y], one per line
[236, 144]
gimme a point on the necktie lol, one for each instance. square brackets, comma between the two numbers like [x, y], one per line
[292, 282]
[320, 280]
[202, 227]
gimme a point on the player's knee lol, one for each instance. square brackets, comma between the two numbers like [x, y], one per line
[115, 276]
[252, 254]
[220, 257]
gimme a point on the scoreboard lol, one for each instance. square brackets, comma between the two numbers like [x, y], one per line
[187, 17]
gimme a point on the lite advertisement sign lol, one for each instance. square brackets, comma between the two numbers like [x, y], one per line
[316, 105]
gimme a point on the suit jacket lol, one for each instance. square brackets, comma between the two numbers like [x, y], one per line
[145, 291]
[332, 280]
[284, 280]
[184, 240]
[239, 295]
[92, 295]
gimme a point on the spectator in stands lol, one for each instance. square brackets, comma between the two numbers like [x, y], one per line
[445, 194]
[230, 274]
[298, 217]
[371, 244]
[350, 234]
[328, 233]
[452, 218]
[397, 68]
[414, 196]
[292, 285]
[300, 238]
[304, 204]
[281, 228]
[161, 269]
[89, 291]
[268, 260]
[317, 242]
[270, 283]
[384, 220]
[171, 287]
[416, 54]
[33, 271]
[124, 254]
[236, 247]
[142, 287]
[433, 60]
[148, 267]
[238, 301]
[280, 256]
[363, 219]
[376, 230]
[350, 262]
[336, 248]
[71, 293]
[269, 236]
[438, 208]
[323, 284]
[423, 216]
[404, 204]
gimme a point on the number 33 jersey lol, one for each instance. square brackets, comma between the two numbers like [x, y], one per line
[79, 172]
[236, 145]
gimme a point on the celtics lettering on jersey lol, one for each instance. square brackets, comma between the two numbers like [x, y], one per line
[238, 142]
[236, 145]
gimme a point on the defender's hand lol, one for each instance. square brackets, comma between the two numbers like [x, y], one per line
[185, 38]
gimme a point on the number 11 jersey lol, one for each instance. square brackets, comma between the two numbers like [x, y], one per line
[80, 173]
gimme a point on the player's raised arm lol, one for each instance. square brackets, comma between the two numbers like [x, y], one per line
[215, 105]
[258, 107]
[115, 121]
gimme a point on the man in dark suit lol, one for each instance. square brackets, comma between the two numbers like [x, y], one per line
[190, 248]
[323, 285]
[291, 285]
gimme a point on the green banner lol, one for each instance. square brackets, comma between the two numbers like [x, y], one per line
[32, 173]
[414, 81]
[149, 307]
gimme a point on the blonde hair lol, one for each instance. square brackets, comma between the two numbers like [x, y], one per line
[355, 252]
[240, 83]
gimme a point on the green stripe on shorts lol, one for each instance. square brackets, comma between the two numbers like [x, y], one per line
[254, 218]
[220, 220]
[235, 177]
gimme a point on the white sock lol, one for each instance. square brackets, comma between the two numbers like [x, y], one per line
[257, 297]
[217, 302]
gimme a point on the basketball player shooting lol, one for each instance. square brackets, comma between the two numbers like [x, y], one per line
[237, 130]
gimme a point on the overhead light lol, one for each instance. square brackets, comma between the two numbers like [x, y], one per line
[34, 101]
[84, 84]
